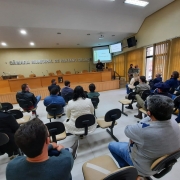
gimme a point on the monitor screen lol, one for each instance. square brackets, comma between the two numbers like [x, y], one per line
[102, 54]
[115, 48]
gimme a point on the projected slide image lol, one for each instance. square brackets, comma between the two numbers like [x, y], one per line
[102, 55]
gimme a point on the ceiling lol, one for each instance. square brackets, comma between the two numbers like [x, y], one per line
[74, 19]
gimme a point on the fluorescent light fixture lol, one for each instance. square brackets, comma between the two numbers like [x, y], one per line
[137, 2]
[31, 43]
[3, 44]
[23, 32]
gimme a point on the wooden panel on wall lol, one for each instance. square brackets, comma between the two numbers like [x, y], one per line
[15, 84]
[4, 86]
[43, 92]
[106, 75]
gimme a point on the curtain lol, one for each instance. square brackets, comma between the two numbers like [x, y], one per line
[119, 64]
[175, 56]
[136, 58]
[161, 57]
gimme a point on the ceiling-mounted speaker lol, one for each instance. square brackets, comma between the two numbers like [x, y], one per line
[131, 41]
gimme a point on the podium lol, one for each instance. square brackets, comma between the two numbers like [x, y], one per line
[9, 77]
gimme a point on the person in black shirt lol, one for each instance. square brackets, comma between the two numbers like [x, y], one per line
[53, 85]
[9, 126]
[99, 66]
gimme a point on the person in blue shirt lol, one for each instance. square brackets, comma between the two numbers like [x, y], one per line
[173, 81]
[66, 89]
[55, 99]
[155, 80]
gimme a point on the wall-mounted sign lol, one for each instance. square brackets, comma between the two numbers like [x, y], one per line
[47, 61]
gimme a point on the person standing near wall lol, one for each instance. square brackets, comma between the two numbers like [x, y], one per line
[130, 72]
[136, 69]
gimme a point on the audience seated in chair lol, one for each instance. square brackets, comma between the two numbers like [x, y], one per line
[54, 84]
[66, 89]
[157, 79]
[25, 94]
[9, 126]
[162, 89]
[79, 105]
[54, 99]
[33, 139]
[142, 86]
[92, 92]
[133, 82]
[173, 81]
[153, 137]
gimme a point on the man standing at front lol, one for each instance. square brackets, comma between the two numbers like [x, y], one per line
[150, 139]
[130, 72]
[99, 66]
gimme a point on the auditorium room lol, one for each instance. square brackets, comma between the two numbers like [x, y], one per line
[89, 89]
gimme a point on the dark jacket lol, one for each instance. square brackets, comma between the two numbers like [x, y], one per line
[28, 96]
[54, 86]
[173, 83]
[99, 65]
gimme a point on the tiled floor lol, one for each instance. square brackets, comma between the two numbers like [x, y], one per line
[95, 144]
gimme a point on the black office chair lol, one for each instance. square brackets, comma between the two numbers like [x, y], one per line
[68, 97]
[109, 121]
[6, 106]
[85, 121]
[18, 115]
[56, 131]
[145, 94]
[95, 102]
[53, 110]
[92, 170]
[176, 103]
[164, 164]
[27, 106]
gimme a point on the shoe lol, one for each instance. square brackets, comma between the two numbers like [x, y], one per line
[74, 148]
[138, 116]
[129, 107]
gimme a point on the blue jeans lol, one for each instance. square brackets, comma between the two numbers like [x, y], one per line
[127, 89]
[38, 99]
[120, 151]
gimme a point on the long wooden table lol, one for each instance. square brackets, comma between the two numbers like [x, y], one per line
[14, 85]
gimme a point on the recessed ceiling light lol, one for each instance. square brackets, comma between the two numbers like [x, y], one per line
[78, 44]
[137, 2]
[23, 32]
[57, 43]
[101, 37]
[31, 43]
[88, 34]
[3, 44]
[112, 0]
[58, 33]
[113, 35]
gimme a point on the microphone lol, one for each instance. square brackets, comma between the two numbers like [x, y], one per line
[32, 72]
[47, 71]
[75, 71]
[43, 74]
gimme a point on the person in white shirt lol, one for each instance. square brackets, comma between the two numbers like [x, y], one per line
[78, 106]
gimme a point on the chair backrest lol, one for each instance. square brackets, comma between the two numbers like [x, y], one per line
[6, 106]
[68, 72]
[145, 94]
[25, 104]
[95, 101]
[32, 75]
[85, 121]
[54, 109]
[131, 95]
[3, 139]
[126, 173]
[164, 164]
[136, 83]
[20, 76]
[51, 74]
[85, 71]
[58, 72]
[1, 78]
[177, 101]
[54, 129]
[68, 97]
[16, 113]
[93, 70]
[112, 115]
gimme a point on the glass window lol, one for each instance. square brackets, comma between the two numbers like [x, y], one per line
[149, 63]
